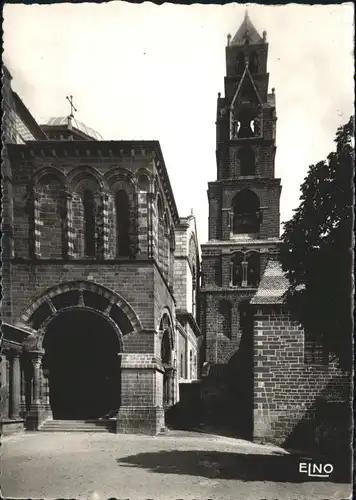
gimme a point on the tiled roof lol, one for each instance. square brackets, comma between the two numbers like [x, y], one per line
[273, 285]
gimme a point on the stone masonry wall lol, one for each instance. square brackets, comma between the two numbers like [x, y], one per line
[219, 346]
[32, 279]
[286, 390]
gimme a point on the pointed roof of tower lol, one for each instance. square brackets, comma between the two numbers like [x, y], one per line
[246, 31]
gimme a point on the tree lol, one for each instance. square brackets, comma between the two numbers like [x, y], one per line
[316, 250]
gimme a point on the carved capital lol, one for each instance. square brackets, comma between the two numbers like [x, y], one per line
[36, 358]
[33, 344]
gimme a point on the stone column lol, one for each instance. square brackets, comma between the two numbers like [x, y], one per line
[15, 386]
[68, 226]
[170, 386]
[244, 273]
[37, 413]
[23, 392]
[46, 392]
[173, 385]
[4, 386]
[231, 282]
[150, 229]
[36, 363]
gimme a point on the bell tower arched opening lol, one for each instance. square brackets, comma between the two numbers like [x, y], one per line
[82, 364]
[246, 212]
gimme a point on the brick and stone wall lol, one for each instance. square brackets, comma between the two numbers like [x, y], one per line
[221, 342]
[288, 392]
[33, 279]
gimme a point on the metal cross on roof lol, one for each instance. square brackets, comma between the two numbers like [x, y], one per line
[72, 107]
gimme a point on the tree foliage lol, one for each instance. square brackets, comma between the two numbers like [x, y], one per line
[317, 252]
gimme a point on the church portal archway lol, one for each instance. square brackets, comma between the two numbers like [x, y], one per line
[82, 364]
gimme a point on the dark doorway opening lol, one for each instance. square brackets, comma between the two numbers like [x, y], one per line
[83, 366]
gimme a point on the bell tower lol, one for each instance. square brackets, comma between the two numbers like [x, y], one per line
[244, 198]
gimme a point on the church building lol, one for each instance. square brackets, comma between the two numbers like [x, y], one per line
[264, 378]
[109, 317]
[100, 279]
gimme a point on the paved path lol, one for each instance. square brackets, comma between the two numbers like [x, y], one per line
[181, 466]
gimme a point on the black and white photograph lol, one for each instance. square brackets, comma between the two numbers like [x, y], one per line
[177, 251]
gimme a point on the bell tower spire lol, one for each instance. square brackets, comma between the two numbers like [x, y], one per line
[244, 198]
[243, 218]
[247, 33]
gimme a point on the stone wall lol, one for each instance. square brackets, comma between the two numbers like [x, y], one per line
[287, 392]
[220, 343]
[33, 279]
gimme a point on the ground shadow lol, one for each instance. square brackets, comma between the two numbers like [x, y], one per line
[223, 465]
[326, 426]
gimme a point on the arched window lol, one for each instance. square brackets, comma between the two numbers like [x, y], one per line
[237, 274]
[246, 212]
[166, 349]
[225, 309]
[253, 268]
[246, 156]
[50, 210]
[245, 269]
[89, 223]
[122, 223]
[143, 183]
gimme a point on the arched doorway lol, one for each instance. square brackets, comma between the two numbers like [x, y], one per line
[82, 363]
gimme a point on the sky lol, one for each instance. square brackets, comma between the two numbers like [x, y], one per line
[153, 73]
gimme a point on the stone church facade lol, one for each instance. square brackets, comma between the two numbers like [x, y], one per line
[100, 278]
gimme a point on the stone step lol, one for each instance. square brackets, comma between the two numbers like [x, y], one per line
[78, 426]
[72, 429]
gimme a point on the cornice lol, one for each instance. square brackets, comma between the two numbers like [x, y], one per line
[162, 170]
[80, 262]
[257, 181]
[185, 315]
[231, 245]
[128, 150]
